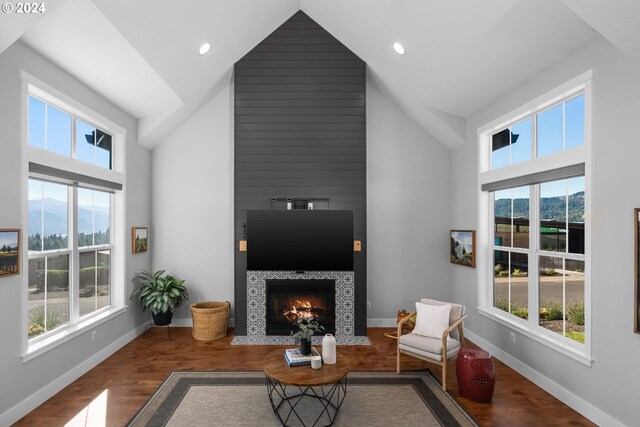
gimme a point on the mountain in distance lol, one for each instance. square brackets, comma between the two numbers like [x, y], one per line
[551, 208]
[55, 217]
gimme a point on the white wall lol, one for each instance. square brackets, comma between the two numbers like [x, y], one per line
[606, 391]
[25, 385]
[192, 228]
[408, 209]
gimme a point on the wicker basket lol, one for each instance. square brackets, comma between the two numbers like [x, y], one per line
[210, 320]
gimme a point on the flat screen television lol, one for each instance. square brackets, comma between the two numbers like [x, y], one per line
[300, 240]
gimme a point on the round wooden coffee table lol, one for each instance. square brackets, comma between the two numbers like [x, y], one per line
[302, 393]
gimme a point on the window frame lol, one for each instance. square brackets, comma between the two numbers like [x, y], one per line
[537, 165]
[509, 249]
[77, 325]
[95, 249]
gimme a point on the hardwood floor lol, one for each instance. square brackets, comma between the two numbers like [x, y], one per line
[111, 393]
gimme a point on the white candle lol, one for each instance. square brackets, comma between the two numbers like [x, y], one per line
[316, 362]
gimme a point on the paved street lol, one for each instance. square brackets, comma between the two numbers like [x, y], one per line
[550, 289]
[58, 302]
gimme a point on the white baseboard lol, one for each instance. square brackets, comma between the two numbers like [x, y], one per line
[566, 396]
[39, 397]
[182, 323]
[382, 323]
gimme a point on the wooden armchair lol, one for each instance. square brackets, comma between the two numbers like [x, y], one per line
[434, 350]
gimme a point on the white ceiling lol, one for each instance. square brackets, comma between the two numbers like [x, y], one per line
[77, 36]
[459, 55]
[13, 24]
[143, 55]
[618, 21]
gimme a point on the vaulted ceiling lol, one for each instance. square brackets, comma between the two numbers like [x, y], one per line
[460, 56]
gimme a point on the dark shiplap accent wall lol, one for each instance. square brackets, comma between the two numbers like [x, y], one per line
[300, 132]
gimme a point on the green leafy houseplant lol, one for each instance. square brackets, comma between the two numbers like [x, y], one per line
[160, 293]
[306, 329]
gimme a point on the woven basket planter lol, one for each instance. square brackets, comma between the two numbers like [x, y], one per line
[210, 320]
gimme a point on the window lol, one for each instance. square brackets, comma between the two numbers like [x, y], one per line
[94, 243]
[49, 257]
[510, 251]
[511, 145]
[51, 130]
[74, 220]
[533, 219]
[51, 253]
[559, 254]
[557, 128]
[561, 272]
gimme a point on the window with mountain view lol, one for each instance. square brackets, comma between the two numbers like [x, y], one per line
[49, 257]
[70, 222]
[535, 191]
[94, 248]
[560, 254]
[561, 274]
[511, 241]
[50, 253]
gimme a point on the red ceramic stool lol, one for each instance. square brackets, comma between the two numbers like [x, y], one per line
[476, 374]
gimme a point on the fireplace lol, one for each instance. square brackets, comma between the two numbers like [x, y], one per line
[289, 300]
[257, 307]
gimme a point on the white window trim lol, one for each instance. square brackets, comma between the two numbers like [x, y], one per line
[64, 334]
[33, 86]
[574, 350]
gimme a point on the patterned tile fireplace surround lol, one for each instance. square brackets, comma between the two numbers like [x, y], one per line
[257, 311]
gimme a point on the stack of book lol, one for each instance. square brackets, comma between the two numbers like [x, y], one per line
[295, 358]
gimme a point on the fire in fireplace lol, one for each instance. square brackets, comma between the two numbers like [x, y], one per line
[289, 300]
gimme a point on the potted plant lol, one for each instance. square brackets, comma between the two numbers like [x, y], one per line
[306, 329]
[160, 293]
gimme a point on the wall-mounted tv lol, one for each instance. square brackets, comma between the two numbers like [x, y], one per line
[300, 240]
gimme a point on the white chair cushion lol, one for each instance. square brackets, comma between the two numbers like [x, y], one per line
[457, 311]
[431, 320]
[428, 347]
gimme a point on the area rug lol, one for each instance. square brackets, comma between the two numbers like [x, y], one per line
[240, 399]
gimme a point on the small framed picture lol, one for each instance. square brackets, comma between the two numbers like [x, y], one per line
[9, 252]
[463, 247]
[636, 264]
[140, 239]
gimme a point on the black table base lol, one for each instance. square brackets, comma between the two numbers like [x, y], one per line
[289, 408]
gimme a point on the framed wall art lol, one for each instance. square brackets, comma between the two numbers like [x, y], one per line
[463, 247]
[636, 270]
[139, 239]
[9, 251]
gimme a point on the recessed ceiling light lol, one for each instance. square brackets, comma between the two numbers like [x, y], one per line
[398, 48]
[204, 48]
